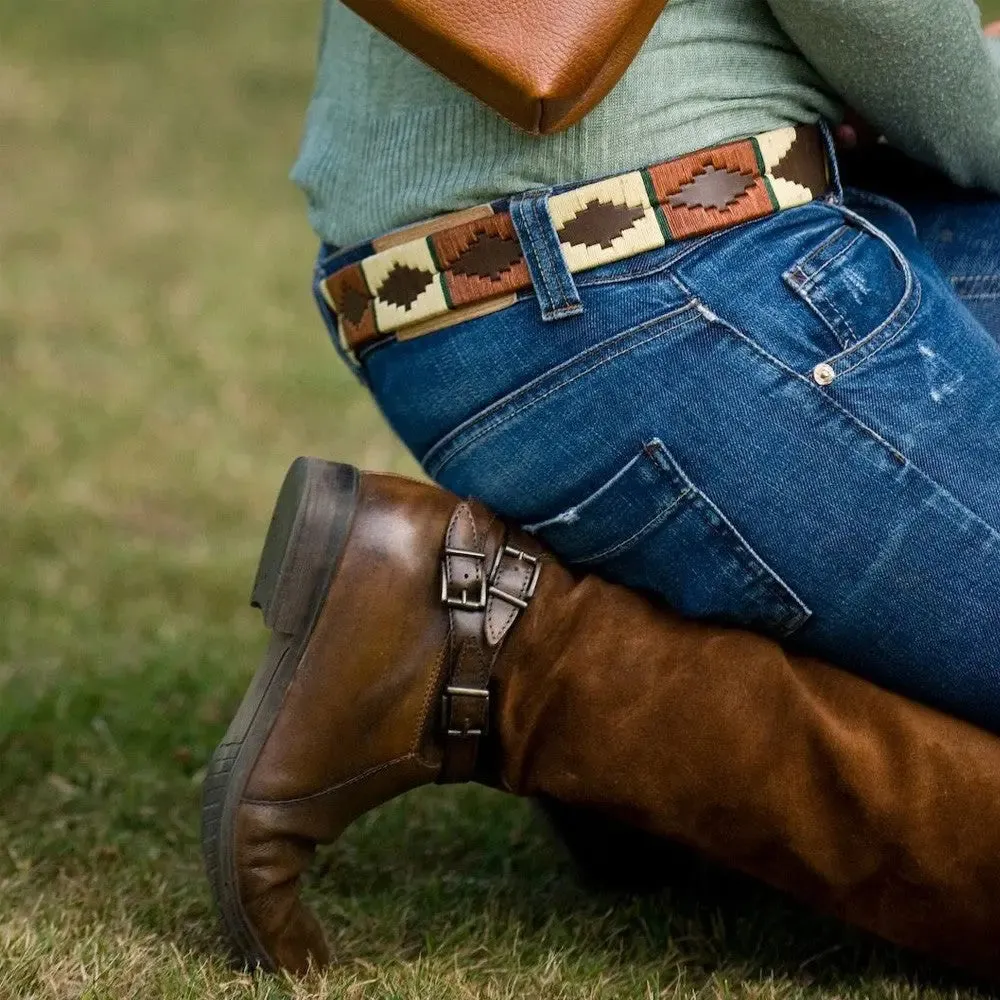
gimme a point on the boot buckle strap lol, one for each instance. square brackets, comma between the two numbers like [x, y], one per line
[485, 585]
[465, 711]
[531, 563]
[463, 579]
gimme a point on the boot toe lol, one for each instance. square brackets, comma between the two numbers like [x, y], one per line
[270, 859]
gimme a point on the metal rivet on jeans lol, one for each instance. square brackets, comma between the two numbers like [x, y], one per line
[823, 374]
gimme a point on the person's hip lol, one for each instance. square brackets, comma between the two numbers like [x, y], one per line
[769, 424]
[467, 264]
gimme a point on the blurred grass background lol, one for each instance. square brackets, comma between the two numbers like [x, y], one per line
[160, 364]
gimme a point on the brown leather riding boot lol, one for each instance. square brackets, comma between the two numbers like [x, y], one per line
[417, 639]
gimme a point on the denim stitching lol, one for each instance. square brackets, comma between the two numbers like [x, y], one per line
[810, 293]
[807, 380]
[814, 299]
[807, 289]
[811, 279]
[869, 345]
[498, 413]
[529, 404]
[788, 611]
[903, 326]
[564, 312]
[830, 145]
[593, 351]
[531, 213]
[654, 522]
[518, 213]
[822, 299]
[569, 295]
[554, 273]
[796, 611]
[559, 519]
[548, 273]
[791, 612]
[727, 532]
[832, 238]
[540, 252]
[899, 317]
[855, 421]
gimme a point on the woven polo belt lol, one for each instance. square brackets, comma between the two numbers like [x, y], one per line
[470, 263]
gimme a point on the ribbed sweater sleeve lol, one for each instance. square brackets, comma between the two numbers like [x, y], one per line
[920, 71]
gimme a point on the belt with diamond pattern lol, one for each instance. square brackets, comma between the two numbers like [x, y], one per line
[469, 263]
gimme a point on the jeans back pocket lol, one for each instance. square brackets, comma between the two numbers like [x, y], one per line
[650, 527]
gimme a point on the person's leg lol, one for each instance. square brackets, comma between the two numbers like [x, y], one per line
[959, 230]
[790, 426]
[419, 639]
[451, 385]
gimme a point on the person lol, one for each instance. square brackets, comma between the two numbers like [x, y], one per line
[669, 350]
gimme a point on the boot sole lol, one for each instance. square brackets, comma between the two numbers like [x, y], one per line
[309, 528]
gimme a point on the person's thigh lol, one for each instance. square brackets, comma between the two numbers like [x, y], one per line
[790, 426]
[877, 495]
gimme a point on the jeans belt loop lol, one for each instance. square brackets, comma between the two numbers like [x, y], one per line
[833, 164]
[558, 296]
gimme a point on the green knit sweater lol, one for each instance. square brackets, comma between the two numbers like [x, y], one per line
[389, 142]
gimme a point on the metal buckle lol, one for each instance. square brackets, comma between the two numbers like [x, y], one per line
[478, 603]
[446, 706]
[521, 556]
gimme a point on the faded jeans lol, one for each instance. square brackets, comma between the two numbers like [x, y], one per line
[682, 432]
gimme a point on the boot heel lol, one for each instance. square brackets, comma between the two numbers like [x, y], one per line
[311, 520]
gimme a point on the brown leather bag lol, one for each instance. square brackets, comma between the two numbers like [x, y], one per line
[542, 64]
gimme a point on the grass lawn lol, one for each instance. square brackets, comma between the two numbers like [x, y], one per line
[160, 364]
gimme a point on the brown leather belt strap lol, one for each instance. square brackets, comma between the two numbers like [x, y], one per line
[485, 592]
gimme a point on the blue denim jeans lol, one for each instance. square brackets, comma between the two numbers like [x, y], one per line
[669, 422]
